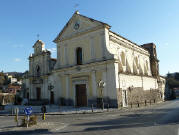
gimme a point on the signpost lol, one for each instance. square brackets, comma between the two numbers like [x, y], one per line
[28, 112]
[16, 116]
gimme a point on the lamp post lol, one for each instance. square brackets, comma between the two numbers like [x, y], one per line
[50, 88]
[101, 85]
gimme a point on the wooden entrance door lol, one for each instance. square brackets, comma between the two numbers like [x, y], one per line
[81, 96]
[38, 90]
[51, 97]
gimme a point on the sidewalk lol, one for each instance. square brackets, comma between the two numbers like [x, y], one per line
[62, 110]
[51, 110]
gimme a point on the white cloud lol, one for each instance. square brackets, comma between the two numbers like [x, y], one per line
[52, 50]
[166, 44]
[18, 46]
[17, 60]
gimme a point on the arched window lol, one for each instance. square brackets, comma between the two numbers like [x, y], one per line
[123, 58]
[38, 70]
[79, 56]
[136, 61]
[147, 65]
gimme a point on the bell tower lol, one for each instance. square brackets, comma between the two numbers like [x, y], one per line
[154, 62]
[39, 61]
[39, 47]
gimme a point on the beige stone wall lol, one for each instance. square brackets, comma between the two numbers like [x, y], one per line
[139, 96]
[138, 89]
[144, 82]
[162, 84]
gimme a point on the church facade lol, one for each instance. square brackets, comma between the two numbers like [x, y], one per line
[94, 65]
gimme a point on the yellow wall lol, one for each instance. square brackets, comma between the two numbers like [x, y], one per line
[85, 43]
[90, 87]
[71, 51]
[97, 45]
[63, 94]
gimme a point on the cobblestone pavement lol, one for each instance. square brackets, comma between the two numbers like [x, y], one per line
[159, 119]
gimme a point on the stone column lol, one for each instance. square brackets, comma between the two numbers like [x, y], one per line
[92, 48]
[103, 44]
[65, 55]
[57, 65]
[33, 67]
[45, 88]
[30, 66]
[30, 89]
[104, 78]
[67, 88]
[94, 84]
[32, 93]
[61, 57]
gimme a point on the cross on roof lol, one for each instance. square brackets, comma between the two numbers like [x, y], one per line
[38, 36]
[76, 6]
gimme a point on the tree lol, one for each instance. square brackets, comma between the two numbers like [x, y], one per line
[172, 83]
[2, 79]
[7, 80]
[177, 76]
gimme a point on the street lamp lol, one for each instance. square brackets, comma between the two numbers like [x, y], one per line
[101, 85]
[50, 88]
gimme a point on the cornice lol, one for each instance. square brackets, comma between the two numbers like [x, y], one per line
[92, 64]
[139, 75]
[40, 54]
[130, 46]
[81, 33]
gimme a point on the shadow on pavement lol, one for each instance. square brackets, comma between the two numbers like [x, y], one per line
[141, 119]
[27, 132]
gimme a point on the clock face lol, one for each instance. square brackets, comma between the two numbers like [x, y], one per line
[76, 25]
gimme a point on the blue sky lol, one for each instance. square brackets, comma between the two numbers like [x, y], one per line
[141, 21]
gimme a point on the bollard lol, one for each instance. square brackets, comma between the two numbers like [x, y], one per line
[28, 118]
[150, 102]
[16, 116]
[102, 105]
[131, 105]
[92, 107]
[44, 110]
[154, 100]
[145, 103]
[108, 108]
[43, 116]
[138, 104]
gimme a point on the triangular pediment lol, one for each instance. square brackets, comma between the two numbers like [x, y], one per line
[78, 24]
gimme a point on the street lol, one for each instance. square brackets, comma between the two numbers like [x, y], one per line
[158, 119]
